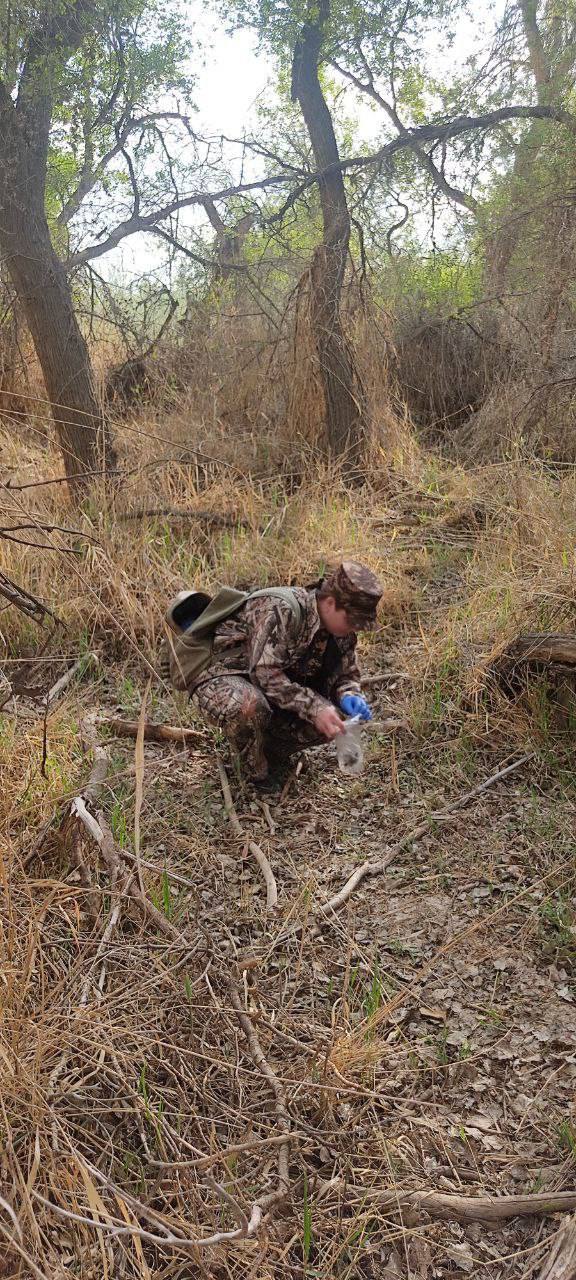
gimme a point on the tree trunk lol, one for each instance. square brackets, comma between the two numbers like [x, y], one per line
[44, 293]
[41, 283]
[549, 77]
[344, 396]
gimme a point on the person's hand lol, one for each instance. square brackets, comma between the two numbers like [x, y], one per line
[353, 705]
[328, 723]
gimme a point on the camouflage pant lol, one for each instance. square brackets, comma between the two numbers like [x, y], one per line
[259, 733]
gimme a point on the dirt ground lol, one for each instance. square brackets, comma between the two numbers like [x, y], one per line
[425, 1038]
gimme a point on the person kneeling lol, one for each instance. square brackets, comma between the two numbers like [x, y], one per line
[282, 665]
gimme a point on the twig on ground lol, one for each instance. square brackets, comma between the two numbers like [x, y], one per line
[475, 1208]
[384, 677]
[292, 777]
[261, 1062]
[62, 684]
[139, 764]
[255, 850]
[152, 732]
[99, 832]
[92, 896]
[175, 513]
[385, 726]
[27, 603]
[117, 1229]
[269, 818]
[206, 1162]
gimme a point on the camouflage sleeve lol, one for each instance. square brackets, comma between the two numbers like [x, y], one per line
[270, 641]
[347, 674]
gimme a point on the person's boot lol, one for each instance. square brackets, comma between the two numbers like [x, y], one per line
[255, 762]
[248, 745]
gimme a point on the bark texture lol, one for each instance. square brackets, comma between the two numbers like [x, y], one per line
[343, 393]
[37, 273]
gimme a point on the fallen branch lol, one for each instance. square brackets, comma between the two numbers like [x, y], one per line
[99, 832]
[543, 647]
[81, 664]
[561, 1262]
[375, 866]
[206, 1162]
[79, 812]
[385, 726]
[255, 850]
[176, 513]
[152, 732]
[27, 603]
[147, 1225]
[476, 1208]
[117, 1229]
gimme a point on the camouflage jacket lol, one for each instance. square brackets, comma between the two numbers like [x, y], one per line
[263, 643]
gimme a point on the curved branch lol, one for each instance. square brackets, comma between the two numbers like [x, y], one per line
[149, 221]
[435, 132]
[91, 175]
[425, 160]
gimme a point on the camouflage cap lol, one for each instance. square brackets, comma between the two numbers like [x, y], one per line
[357, 590]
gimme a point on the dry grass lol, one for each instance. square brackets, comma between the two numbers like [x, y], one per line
[155, 1072]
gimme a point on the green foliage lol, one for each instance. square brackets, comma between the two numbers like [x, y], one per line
[442, 282]
[98, 74]
[567, 1136]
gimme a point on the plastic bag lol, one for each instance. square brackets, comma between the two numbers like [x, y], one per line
[349, 748]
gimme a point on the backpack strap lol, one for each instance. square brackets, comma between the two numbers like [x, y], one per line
[289, 597]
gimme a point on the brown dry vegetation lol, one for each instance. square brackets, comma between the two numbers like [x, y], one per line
[425, 1039]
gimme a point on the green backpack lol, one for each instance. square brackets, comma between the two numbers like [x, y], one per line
[192, 618]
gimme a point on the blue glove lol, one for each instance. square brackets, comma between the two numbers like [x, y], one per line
[353, 705]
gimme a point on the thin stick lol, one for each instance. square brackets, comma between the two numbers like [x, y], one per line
[255, 850]
[152, 732]
[384, 677]
[206, 1162]
[165, 1241]
[261, 1062]
[139, 769]
[385, 726]
[62, 684]
[269, 818]
[175, 513]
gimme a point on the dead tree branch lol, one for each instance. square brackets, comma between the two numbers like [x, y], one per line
[261, 1062]
[477, 1208]
[152, 732]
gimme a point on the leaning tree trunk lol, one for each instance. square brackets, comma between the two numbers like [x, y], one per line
[343, 392]
[43, 290]
[40, 281]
